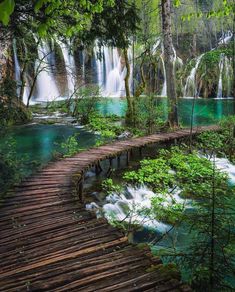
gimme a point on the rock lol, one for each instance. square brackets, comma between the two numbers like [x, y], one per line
[125, 135]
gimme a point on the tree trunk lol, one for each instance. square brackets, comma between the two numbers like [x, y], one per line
[31, 90]
[169, 57]
[130, 101]
[23, 82]
[234, 57]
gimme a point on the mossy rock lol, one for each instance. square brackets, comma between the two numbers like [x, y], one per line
[13, 112]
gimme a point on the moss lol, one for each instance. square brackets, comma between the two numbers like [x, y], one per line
[13, 112]
[142, 246]
[169, 270]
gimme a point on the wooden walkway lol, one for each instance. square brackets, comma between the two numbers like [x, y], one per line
[49, 242]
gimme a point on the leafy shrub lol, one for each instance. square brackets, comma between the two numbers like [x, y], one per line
[154, 173]
[70, 147]
[109, 187]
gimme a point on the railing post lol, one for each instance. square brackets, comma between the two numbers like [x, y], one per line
[128, 157]
[98, 168]
[80, 190]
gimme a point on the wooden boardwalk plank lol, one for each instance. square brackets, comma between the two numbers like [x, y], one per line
[49, 242]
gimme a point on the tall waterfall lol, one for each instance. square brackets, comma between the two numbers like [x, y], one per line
[190, 89]
[46, 85]
[163, 93]
[70, 66]
[228, 72]
[176, 61]
[220, 84]
[110, 71]
[224, 69]
[17, 70]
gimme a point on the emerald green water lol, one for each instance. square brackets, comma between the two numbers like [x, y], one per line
[37, 143]
[206, 111]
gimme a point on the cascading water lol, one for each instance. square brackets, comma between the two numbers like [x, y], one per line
[110, 71]
[190, 89]
[226, 38]
[220, 84]
[163, 93]
[130, 206]
[176, 61]
[17, 68]
[18, 77]
[228, 73]
[46, 85]
[70, 66]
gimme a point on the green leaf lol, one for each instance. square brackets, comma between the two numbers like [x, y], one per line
[39, 5]
[6, 9]
[177, 3]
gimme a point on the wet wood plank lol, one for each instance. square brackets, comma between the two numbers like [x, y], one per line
[49, 242]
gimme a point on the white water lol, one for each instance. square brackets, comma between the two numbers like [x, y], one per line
[228, 73]
[226, 166]
[111, 71]
[164, 88]
[69, 65]
[220, 83]
[17, 68]
[225, 38]
[18, 77]
[129, 206]
[190, 89]
[176, 61]
[46, 85]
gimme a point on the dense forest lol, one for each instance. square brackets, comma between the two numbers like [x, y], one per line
[80, 75]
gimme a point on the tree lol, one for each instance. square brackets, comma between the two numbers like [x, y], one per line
[169, 59]
[43, 17]
[115, 26]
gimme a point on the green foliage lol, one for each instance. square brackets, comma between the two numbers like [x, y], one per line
[110, 187]
[223, 142]
[84, 105]
[10, 165]
[105, 127]
[210, 143]
[70, 147]
[153, 172]
[45, 15]
[225, 9]
[6, 9]
[13, 112]
[177, 3]
[192, 172]
[150, 115]
[108, 26]
[228, 137]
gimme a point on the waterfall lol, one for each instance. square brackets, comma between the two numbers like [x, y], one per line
[228, 73]
[70, 66]
[220, 84]
[18, 77]
[225, 38]
[131, 205]
[17, 68]
[110, 71]
[176, 61]
[191, 80]
[164, 93]
[99, 56]
[46, 85]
